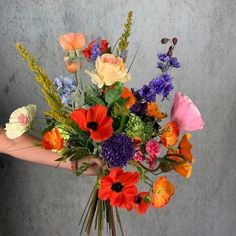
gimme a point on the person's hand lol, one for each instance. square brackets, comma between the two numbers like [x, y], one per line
[92, 170]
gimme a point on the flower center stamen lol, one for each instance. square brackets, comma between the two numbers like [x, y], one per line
[92, 125]
[137, 199]
[117, 187]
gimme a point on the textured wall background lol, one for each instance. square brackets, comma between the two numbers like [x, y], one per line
[42, 201]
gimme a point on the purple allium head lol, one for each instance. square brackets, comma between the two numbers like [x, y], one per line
[148, 93]
[118, 150]
[174, 62]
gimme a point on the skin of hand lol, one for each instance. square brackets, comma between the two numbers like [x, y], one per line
[23, 148]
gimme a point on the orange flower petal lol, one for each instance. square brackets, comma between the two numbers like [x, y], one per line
[184, 169]
[72, 41]
[153, 111]
[185, 147]
[170, 134]
[127, 93]
[52, 140]
[163, 190]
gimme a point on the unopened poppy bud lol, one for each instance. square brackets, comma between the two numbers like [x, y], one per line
[166, 166]
[165, 40]
[174, 41]
[170, 53]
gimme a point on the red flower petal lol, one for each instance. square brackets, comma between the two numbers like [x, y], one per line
[79, 117]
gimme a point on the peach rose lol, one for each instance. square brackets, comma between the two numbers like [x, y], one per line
[72, 41]
[109, 70]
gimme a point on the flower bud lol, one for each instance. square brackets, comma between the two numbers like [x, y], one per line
[165, 40]
[174, 41]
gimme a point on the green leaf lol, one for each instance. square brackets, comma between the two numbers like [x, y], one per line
[94, 101]
[113, 95]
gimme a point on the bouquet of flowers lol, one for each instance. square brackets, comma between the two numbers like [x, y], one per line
[114, 124]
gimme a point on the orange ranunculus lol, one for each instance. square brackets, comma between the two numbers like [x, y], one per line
[141, 204]
[170, 134]
[72, 41]
[153, 111]
[53, 140]
[119, 187]
[163, 190]
[95, 121]
[184, 149]
[127, 93]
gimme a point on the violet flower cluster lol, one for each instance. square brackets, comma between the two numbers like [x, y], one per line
[65, 86]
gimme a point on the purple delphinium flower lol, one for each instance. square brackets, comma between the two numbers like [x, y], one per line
[118, 150]
[65, 86]
[162, 85]
[139, 108]
[148, 93]
[174, 62]
[95, 51]
[163, 57]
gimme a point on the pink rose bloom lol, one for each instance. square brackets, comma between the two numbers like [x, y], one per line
[138, 156]
[153, 147]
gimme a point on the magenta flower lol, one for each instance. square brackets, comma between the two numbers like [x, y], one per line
[153, 147]
[138, 156]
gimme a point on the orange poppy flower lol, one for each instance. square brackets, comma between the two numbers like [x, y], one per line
[72, 41]
[153, 111]
[184, 149]
[163, 190]
[119, 187]
[53, 140]
[141, 203]
[127, 93]
[170, 134]
[95, 121]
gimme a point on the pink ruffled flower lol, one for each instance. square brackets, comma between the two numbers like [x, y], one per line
[153, 147]
[185, 114]
[138, 156]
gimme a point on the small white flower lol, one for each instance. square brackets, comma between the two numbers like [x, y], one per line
[21, 120]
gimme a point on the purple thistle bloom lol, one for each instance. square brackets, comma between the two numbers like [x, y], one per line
[174, 62]
[163, 57]
[95, 51]
[118, 150]
[148, 93]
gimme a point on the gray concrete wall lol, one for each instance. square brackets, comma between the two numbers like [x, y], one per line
[42, 201]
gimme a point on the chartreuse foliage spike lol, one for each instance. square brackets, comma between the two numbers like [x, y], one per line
[53, 100]
[124, 39]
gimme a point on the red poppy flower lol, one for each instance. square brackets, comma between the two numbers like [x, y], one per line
[52, 140]
[142, 202]
[119, 187]
[95, 121]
